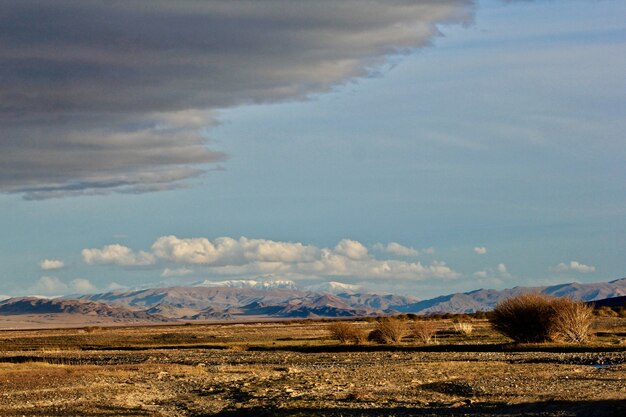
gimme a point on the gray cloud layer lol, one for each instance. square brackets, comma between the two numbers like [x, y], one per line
[97, 97]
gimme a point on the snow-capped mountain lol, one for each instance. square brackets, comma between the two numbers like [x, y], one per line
[334, 287]
[249, 283]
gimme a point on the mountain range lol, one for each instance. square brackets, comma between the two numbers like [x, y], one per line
[250, 300]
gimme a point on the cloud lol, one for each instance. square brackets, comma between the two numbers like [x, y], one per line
[228, 251]
[480, 250]
[351, 249]
[396, 249]
[82, 285]
[48, 286]
[50, 264]
[53, 286]
[117, 255]
[121, 107]
[177, 272]
[573, 266]
[245, 257]
[114, 286]
[493, 275]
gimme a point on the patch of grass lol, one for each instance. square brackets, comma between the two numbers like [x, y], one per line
[463, 328]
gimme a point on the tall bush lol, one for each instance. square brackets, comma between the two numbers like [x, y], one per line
[572, 321]
[537, 318]
[424, 331]
[347, 333]
[389, 330]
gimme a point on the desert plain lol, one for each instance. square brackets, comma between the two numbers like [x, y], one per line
[295, 368]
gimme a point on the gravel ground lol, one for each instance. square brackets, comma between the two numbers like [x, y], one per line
[208, 382]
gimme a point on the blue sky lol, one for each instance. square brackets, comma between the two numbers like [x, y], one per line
[490, 155]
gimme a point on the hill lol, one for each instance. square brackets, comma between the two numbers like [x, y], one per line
[31, 311]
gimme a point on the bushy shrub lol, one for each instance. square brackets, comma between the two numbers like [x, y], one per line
[388, 330]
[424, 331]
[347, 333]
[572, 320]
[537, 318]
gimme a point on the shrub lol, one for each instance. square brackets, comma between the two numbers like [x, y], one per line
[572, 320]
[463, 328]
[537, 318]
[388, 330]
[525, 318]
[605, 311]
[377, 336]
[347, 333]
[424, 331]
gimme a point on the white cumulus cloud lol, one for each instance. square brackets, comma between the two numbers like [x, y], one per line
[351, 249]
[50, 264]
[117, 255]
[396, 249]
[82, 285]
[573, 266]
[480, 250]
[245, 257]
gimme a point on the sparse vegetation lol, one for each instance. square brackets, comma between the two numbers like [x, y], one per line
[389, 330]
[347, 333]
[424, 331]
[538, 318]
[463, 328]
[295, 366]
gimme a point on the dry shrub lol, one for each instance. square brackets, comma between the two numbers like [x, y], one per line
[605, 311]
[389, 330]
[538, 318]
[347, 333]
[572, 320]
[463, 328]
[424, 331]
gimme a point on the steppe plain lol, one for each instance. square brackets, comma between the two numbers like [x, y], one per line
[294, 368]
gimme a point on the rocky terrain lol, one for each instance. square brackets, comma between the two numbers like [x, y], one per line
[294, 369]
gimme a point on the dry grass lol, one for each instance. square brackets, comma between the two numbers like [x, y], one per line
[424, 331]
[463, 328]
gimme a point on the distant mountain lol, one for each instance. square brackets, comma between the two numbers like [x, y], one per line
[253, 301]
[610, 302]
[228, 302]
[384, 303]
[196, 298]
[214, 302]
[325, 305]
[44, 306]
[485, 300]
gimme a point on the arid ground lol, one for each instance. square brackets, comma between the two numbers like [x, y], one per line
[296, 369]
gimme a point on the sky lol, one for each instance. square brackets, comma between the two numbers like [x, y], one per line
[415, 147]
